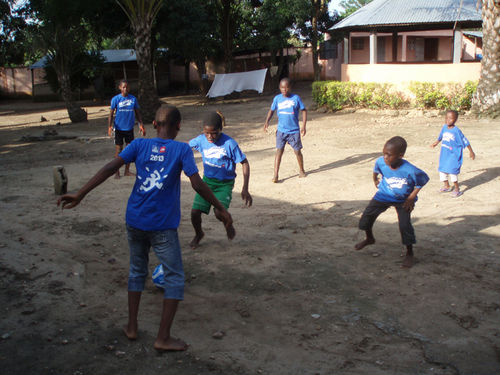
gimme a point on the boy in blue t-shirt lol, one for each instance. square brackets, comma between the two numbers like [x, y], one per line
[220, 155]
[153, 216]
[288, 106]
[127, 110]
[399, 186]
[451, 155]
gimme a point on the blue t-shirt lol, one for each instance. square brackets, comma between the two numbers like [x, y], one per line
[396, 185]
[125, 114]
[154, 203]
[288, 112]
[452, 147]
[219, 158]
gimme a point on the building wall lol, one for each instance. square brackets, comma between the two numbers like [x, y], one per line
[399, 74]
[15, 82]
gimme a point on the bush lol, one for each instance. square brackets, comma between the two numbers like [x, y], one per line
[337, 95]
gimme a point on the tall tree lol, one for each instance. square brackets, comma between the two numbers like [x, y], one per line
[189, 34]
[486, 100]
[350, 6]
[13, 39]
[142, 14]
[61, 33]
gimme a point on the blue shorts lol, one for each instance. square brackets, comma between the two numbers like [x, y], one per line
[292, 139]
[167, 248]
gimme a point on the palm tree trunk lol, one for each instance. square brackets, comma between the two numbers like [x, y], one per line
[148, 96]
[486, 100]
[76, 114]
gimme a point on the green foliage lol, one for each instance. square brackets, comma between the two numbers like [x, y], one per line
[350, 6]
[85, 68]
[449, 95]
[337, 95]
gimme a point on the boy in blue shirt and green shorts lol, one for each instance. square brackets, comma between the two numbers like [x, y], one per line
[220, 155]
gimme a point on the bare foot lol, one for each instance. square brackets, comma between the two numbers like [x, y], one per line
[170, 344]
[302, 174]
[131, 333]
[196, 241]
[129, 174]
[364, 243]
[408, 263]
[117, 176]
[231, 232]
[274, 179]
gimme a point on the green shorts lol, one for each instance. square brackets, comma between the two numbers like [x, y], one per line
[223, 191]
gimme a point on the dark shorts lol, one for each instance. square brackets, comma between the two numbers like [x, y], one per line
[120, 136]
[223, 191]
[292, 139]
[375, 208]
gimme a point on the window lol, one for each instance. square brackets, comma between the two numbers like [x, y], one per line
[327, 51]
[358, 43]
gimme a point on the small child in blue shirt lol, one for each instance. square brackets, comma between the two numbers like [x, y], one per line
[398, 188]
[288, 106]
[451, 155]
[220, 155]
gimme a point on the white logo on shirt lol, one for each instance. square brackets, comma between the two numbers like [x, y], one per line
[286, 104]
[152, 181]
[125, 103]
[447, 137]
[396, 182]
[215, 152]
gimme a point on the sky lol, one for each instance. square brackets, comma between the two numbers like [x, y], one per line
[334, 4]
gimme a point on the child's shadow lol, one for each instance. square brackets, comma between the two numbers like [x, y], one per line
[354, 159]
[362, 158]
[485, 176]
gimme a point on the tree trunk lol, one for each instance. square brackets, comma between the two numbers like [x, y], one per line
[320, 8]
[76, 114]
[148, 96]
[486, 100]
[202, 74]
[186, 78]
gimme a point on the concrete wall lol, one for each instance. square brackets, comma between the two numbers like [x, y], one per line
[398, 74]
[15, 82]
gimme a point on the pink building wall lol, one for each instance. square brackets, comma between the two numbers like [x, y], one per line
[400, 74]
[15, 81]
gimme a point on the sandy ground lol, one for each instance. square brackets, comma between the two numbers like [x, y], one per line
[289, 293]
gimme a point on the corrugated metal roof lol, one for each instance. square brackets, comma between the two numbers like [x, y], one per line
[110, 56]
[411, 12]
[477, 34]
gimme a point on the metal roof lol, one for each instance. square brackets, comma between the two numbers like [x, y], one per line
[411, 12]
[477, 34]
[110, 56]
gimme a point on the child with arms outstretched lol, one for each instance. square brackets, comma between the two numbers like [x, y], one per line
[153, 216]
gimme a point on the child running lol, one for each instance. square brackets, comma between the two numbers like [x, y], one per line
[451, 155]
[220, 155]
[399, 186]
[288, 106]
[153, 216]
[127, 110]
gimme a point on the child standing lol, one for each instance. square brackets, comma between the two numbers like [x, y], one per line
[288, 106]
[127, 110]
[153, 216]
[451, 155]
[220, 155]
[399, 186]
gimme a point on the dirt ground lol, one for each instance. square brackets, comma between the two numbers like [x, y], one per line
[289, 294]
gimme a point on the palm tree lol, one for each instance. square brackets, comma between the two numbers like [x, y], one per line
[142, 14]
[486, 100]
